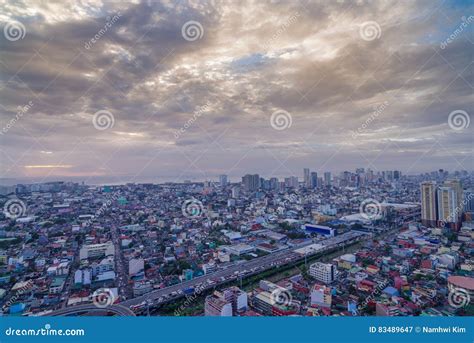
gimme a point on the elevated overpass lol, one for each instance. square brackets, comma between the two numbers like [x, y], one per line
[118, 310]
[243, 270]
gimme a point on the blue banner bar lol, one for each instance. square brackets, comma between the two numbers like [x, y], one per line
[248, 330]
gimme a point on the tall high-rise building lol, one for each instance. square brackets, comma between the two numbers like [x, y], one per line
[265, 184]
[223, 180]
[327, 178]
[307, 180]
[346, 176]
[446, 204]
[428, 203]
[251, 183]
[235, 192]
[274, 183]
[370, 175]
[314, 180]
[457, 187]
[291, 182]
[468, 200]
[450, 203]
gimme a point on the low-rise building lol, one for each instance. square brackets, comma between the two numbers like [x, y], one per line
[96, 250]
[321, 296]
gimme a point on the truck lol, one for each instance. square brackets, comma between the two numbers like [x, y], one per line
[189, 290]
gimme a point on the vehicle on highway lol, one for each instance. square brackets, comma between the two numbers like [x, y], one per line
[189, 290]
[138, 307]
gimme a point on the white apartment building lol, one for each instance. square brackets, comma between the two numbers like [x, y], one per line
[324, 272]
[96, 250]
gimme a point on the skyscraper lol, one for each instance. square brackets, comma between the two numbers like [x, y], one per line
[274, 183]
[223, 180]
[251, 183]
[450, 203]
[291, 182]
[235, 192]
[314, 180]
[428, 203]
[446, 205]
[327, 178]
[468, 200]
[457, 187]
[307, 180]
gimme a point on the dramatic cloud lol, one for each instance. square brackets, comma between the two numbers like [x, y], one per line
[112, 91]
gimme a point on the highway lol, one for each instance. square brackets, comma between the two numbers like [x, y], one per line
[230, 273]
[122, 274]
[118, 310]
[238, 270]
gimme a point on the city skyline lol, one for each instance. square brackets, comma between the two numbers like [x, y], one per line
[216, 178]
[136, 92]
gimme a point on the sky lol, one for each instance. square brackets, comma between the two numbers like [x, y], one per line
[131, 91]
